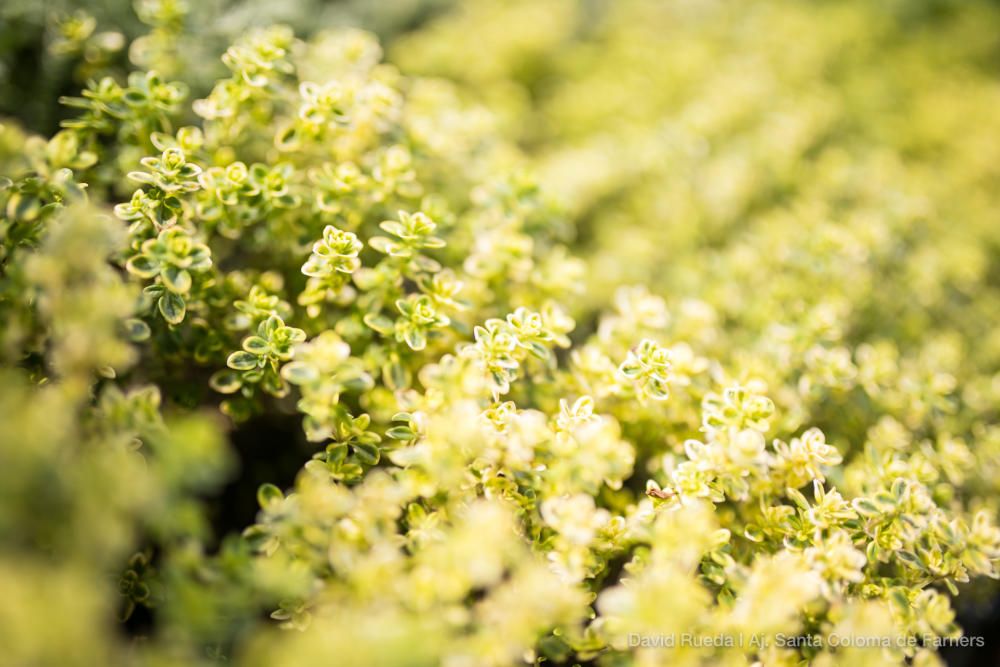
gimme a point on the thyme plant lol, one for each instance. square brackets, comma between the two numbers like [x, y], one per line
[724, 366]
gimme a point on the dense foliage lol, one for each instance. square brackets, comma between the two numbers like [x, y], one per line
[605, 322]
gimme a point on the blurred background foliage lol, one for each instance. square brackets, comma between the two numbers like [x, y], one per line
[51, 48]
[811, 188]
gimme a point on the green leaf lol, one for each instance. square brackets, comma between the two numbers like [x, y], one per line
[299, 372]
[866, 507]
[176, 280]
[538, 350]
[350, 472]
[426, 264]
[225, 382]
[873, 552]
[388, 247]
[336, 453]
[269, 326]
[275, 385]
[401, 433]
[255, 345]
[885, 501]
[555, 649]
[242, 361]
[256, 536]
[898, 598]
[796, 497]
[899, 489]
[23, 207]
[142, 177]
[379, 323]
[172, 307]
[135, 97]
[136, 330]
[142, 266]
[910, 558]
[269, 495]
[404, 307]
[253, 375]
[367, 453]
[415, 339]
[287, 139]
[393, 227]
[394, 375]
